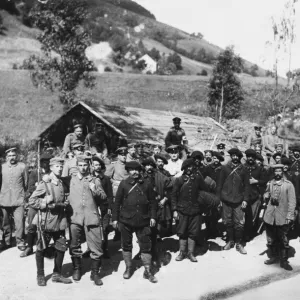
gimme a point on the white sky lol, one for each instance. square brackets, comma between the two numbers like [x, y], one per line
[246, 24]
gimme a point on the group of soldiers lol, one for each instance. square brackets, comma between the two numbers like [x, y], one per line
[81, 192]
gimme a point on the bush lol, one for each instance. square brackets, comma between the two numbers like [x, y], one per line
[131, 21]
[204, 73]
[176, 60]
[107, 69]
[136, 8]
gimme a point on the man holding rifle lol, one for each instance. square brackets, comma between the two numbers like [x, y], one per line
[49, 198]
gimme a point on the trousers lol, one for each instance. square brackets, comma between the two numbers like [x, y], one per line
[277, 236]
[93, 238]
[188, 226]
[13, 214]
[143, 235]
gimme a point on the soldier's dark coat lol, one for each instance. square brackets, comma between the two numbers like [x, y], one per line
[295, 170]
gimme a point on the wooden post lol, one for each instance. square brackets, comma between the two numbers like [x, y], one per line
[222, 103]
[38, 159]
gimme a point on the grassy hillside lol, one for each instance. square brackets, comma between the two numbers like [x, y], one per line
[25, 110]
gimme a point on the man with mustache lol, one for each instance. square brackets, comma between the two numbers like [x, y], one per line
[134, 211]
[278, 216]
[161, 161]
[187, 210]
[207, 157]
[14, 184]
[233, 190]
[257, 180]
[131, 155]
[174, 163]
[70, 167]
[162, 186]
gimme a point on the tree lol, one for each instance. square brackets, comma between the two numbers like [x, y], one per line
[176, 60]
[64, 41]
[2, 28]
[155, 54]
[253, 70]
[225, 91]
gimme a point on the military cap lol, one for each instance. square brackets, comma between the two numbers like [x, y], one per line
[197, 154]
[278, 145]
[173, 149]
[159, 156]
[77, 145]
[45, 156]
[149, 161]
[132, 145]
[56, 161]
[257, 144]
[82, 158]
[133, 165]
[122, 151]
[100, 161]
[277, 166]
[257, 128]
[99, 124]
[13, 149]
[221, 146]
[218, 155]
[235, 151]
[88, 153]
[78, 125]
[259, 157]
[157, 147]
[176, 119]
[208, 151]
[286, 161]
[187, 163]
[250, 152]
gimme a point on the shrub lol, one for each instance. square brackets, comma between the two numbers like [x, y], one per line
[204, 73]
[107, 69]
[131, 21]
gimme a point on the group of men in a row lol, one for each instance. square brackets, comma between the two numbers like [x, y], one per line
[142, 194]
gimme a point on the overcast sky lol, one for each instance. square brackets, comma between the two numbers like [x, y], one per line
[246, 24]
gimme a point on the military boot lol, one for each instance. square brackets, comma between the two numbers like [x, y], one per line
[128, 262]
[28, 251]
[95, 269]
[240, 248]
[191, 249]
[86, 253]
[76, 268]
[182, 250]
[273, 256]
[284, 264]
[146, 259]
[39, 257]
[229, 245]
[58, 278]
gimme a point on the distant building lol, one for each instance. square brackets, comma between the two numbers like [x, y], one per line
[151, 64]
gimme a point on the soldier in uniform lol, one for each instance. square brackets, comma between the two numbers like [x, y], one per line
[161, 161]
[73, 138]
[131, 155]
[96, 141]
[199, 168]
[12, 196]
[33, 181]
[270, 142]
[255, 138]
[233, 190]
[70, 167]
[176, 136]
[278, 216]
[134, 211]
[50, 199]
[221, 148]
[85, 218]
[174, 163]
[186, 209]
[257, 179]
[207, 157]
[162, 186]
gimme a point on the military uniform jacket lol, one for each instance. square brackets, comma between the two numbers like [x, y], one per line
[70, 140]
[175, 137]
[234, 185]
[14, 184]
[184, 196]
[259, 174]
[84, 209]
[284, 192]
[70, 167]
[56, 217]
[135, 203]
[107, 187]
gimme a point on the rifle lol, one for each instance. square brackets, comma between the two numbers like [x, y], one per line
[41, 244]
[261, 217]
